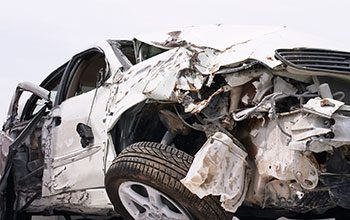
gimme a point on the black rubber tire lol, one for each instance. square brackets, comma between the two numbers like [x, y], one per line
[160, 167]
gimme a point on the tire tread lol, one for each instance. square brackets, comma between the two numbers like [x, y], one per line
[160, 164]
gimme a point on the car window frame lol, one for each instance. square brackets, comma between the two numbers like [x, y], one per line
[30, 104]
[69, 73]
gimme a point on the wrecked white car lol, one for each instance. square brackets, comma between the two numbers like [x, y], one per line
[201, 123]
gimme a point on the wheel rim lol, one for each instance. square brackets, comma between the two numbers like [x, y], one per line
[145, 202]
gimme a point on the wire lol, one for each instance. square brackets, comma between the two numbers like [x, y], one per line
[339, 93]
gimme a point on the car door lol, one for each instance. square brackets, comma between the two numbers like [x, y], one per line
[71, 166]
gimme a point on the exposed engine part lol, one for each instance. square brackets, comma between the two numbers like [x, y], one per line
[262, 86]
[265, 133]
[174, 124]
[288, 124]
[316, 134]
[235, 96]
[325, 91]
[274, 158]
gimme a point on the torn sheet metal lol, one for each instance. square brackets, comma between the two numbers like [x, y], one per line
[141, 82]
[168, 76]
[181, 69]
[323, 107]
[242, 77]
[163, 75]
[219, 168]
[190, 81]
[90, 201]
[198, 107]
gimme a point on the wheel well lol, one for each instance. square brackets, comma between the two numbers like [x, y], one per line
[142, 123]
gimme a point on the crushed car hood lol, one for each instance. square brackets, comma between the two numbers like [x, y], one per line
[239, 42]
[195, 55]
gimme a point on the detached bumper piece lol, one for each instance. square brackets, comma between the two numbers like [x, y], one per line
[315, 59]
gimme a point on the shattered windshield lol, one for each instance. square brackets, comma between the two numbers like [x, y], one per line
[145, 51]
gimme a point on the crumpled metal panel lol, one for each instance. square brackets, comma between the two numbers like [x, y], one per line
[199, 106]
[128, 88]
[241, 42]
[163, 76]
[113, 62]
[281, 142]
[64, 155]
[90, 201]
[166, 77]
[219, 168]
[169, 77]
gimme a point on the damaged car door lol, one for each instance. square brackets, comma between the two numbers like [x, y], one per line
[15, 157]
[8, 144]
[57, 145]
[75, 137]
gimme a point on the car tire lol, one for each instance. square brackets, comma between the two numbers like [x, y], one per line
[153, 170]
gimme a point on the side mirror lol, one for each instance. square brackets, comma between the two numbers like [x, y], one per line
[21, 87]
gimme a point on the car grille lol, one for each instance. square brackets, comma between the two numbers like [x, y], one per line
[315, 59]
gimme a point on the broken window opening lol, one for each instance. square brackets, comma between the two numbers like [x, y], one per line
[127, 48]
[145, 51]
[52, 84]
[85, 74]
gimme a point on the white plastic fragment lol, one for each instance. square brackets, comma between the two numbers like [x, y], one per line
[323, 107]
[219, 169]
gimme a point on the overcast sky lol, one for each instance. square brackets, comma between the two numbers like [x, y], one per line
[37, 36]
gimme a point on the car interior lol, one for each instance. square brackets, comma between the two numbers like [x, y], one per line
[86, 75]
